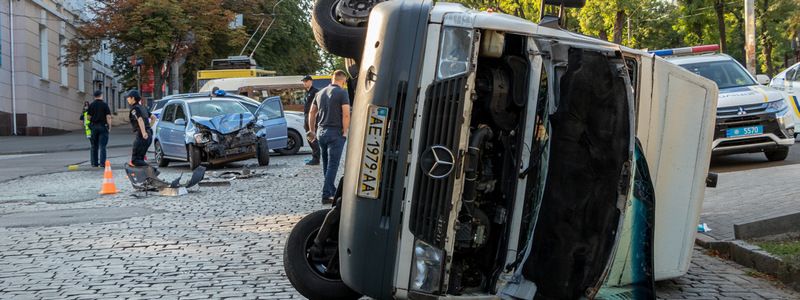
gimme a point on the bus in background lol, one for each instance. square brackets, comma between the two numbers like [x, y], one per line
[231, 67]
[289, 88]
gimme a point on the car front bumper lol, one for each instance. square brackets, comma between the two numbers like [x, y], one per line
[776, 134]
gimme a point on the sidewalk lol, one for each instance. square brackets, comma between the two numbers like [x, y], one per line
[746, 196]
[76, 140]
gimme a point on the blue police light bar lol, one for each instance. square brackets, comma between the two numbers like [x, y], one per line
[686, 50]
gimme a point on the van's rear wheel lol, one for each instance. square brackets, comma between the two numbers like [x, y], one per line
[779, 154]
[315, 276]
[333, 36]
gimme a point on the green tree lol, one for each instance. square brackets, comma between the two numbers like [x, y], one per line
[773, 21]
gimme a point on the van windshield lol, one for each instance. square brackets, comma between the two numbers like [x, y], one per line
[726, 74]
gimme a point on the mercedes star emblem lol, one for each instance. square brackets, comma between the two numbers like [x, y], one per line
[437, 162]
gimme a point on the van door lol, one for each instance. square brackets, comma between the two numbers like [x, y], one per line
[273, 122]
[676, 114]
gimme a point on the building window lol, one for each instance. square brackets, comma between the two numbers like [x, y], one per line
[43, 59]
[81, 79]
[62, 60]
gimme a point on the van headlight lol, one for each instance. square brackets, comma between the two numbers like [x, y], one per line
[455, 52]
[777, 106]
[426, 271]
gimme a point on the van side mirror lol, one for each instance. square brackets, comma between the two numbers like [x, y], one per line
[180, 122]
[762, 79]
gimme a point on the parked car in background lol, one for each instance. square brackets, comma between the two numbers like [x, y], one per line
[751, 117]
[788, 81]
[201, 129]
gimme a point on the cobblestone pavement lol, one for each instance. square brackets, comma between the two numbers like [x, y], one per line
[750, 195]
[215, 242]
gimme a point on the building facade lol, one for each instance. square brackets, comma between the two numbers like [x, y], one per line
[45, 95]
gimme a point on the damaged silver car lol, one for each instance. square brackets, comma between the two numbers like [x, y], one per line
[218, 130]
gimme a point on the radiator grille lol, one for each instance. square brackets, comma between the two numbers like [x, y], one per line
[442, 119]
[392, 149]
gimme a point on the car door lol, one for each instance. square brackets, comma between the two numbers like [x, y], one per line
[166, 129]
[271, 119]
[791, 85]
[178, 132]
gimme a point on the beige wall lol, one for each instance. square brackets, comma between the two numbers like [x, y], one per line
[47, 101]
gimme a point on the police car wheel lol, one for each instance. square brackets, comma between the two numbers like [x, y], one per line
[293, 144]
[779, 154]
[333, 36]
[162, 162]
[262, 152]
[194, 157]
[311, 274]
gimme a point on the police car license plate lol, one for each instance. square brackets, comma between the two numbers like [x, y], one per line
[744, 131]
[370, 175]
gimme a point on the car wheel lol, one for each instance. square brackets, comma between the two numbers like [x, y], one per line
[262, 152]
[333, 36]
[779, 154]
[162, 162]
[293, 144]
[314, 276]
[194, 157]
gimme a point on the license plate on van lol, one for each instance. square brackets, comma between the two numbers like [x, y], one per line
[744, 131]
[370, 174]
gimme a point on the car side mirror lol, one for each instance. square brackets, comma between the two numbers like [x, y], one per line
[762, 79]
[180, 122]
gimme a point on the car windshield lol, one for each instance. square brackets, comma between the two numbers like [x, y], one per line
[210, 109]
[726, 74]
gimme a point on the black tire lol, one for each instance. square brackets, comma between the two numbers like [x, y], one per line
[334, 37]
[779, 154]
[162, 162]
[262, 152]
[293, 144]
[194, 157]
[306, 275]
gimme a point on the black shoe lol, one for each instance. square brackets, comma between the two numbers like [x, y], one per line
[312, 162]
[328, 200]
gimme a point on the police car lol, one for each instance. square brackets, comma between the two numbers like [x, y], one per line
[789, 82]
[751, 117]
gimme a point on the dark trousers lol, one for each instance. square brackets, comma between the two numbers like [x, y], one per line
[331, 146]
[140, 147]
[315, 150]
[99, 140]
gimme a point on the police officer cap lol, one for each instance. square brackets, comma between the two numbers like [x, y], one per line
[98, 93]
[307, 78]
[135, 95]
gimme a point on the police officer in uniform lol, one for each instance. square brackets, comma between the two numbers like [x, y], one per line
[311, 92]
[140, 122]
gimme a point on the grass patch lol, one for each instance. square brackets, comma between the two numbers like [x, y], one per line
[787, 250]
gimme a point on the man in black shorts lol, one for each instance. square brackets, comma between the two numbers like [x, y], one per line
[140, 122]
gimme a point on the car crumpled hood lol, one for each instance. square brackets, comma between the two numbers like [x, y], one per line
[226, 124]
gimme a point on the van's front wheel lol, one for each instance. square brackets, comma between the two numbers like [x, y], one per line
[314, 272]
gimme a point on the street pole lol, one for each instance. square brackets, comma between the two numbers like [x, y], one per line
[750, 35]
[13, 71]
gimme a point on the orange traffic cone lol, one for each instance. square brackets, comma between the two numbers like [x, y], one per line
[108, 181]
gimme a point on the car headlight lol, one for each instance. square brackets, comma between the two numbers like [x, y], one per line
[455, 52]
[777, 106]
[426, 272]
[201, 138]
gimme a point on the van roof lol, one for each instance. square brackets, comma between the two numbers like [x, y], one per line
[233, 84]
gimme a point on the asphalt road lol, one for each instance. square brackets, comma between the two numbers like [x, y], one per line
[740, 162]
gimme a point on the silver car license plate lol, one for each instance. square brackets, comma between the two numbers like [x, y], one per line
[370, 175]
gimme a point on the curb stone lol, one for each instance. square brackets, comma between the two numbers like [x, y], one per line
[754, 257]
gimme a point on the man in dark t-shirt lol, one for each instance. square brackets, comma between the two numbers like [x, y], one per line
[311, 93]
[140, 123]
[99, 120]
[329, 118]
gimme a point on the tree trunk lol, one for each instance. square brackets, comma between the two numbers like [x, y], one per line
[619, 24]
[720, 8]
[158, 81]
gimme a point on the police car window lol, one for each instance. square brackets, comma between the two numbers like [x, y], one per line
[270, 110]
[791, 75]
[726, 74]
[179, 113]
[169, 113]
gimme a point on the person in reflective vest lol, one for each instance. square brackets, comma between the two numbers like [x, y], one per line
[86, 120]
